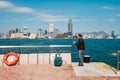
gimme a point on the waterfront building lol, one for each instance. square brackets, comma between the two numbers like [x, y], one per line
[56, 32]
[40, 33]
[118, 37]
[70, 29]
[17, 30]
[46, 32]
[109, 37]
[112, 34]
[85, 35]
[6, 36]
[51, 28]
[62, 35]
[11, 32]
[25, 31]
[32, 36]
[94, 35]
[90, 36]
[17, 35]
[99, 37]
[1, 35]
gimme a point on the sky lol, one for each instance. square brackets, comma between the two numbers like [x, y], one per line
[86, 15]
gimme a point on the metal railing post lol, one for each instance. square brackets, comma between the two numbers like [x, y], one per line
[2, 62]
[19, 56]
[49, 56]
[28, 59]
[37, 58]
[71, 53]
[118, 61]
[43, 58]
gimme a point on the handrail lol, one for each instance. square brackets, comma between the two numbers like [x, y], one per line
[41, 46]
[37, 49]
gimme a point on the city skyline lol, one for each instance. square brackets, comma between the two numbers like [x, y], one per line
[86, 15]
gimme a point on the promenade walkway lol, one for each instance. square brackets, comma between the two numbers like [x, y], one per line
[50, 72]
[95, 69]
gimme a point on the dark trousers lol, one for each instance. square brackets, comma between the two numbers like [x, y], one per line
[81, 55]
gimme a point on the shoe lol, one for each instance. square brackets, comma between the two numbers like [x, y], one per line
[80, 64]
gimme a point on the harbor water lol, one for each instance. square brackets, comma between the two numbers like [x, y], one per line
[100, 50]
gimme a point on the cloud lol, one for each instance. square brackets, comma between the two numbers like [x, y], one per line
[5, 4]
[12, 8]
[118, 15]
[10, 20]
[46, 17]
[84, 20]
[109, 8]
[49, 18]
[111, 20]
[21, 9]
[39, 15]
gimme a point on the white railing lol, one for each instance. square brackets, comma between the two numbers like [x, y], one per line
[42, 46]
[39, 52]
[118, 61]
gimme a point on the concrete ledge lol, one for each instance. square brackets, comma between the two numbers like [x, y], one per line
[94, 69]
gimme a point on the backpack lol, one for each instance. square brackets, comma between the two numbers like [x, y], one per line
[58, 60]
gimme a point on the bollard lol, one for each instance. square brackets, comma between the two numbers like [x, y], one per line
[86, 58]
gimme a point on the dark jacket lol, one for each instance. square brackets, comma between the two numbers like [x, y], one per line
[80, 44]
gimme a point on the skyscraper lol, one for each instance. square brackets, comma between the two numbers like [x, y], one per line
[113, 34]
[51, 28]
[11, 32]
[19, 30]
[46, 32]
[40, 32]
[70, 30]
[16, 30]
[56, 31]
[25, 31]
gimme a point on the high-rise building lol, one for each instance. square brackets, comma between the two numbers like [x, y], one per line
[51, 28]
[40, 32]
[16, 30]
[19, 30]
[112, 34]
[56, 31]
[25, 31]
[70, 30]
[1, 35]
[46, 32]
[11, 32]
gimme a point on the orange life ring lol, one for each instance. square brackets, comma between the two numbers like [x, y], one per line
[16, 58]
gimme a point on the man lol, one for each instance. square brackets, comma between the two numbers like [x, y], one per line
[81, 48]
